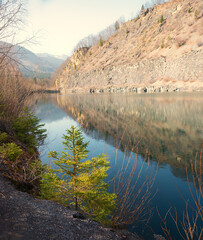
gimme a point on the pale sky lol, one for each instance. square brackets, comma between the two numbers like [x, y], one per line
[62, 23]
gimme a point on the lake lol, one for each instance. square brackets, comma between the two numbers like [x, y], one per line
[148, 138]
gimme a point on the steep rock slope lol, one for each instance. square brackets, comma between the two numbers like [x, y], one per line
[162, 50]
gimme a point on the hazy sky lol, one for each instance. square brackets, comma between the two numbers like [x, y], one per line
[62, 23]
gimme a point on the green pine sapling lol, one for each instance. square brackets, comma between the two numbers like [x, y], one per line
[84, 178]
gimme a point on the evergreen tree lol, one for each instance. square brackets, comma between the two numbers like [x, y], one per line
[142, 9]
[101, 41]
[70, 163]
[28, 129]
[54, 188]
[117, 26]
[85, 178]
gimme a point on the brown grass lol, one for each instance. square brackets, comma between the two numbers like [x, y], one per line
[25, 171]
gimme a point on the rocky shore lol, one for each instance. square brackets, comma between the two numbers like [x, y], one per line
[24, 217]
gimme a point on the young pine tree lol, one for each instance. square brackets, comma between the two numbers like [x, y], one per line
[85, 178]
[29, 130]
[117, 26]
[101, 41]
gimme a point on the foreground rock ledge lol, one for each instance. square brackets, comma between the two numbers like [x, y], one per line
[24, 217]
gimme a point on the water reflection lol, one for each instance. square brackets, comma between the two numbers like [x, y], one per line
[168, 128]
[165, 128]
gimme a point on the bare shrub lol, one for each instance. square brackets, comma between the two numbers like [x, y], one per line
[18, 165]
[189, 225]
[13, 89]
[92, 40]
[24, 171]
[18, 161]
[134, 192]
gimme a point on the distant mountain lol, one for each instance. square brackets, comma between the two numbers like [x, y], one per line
[46, 55]
[38, 65]
[35, 65]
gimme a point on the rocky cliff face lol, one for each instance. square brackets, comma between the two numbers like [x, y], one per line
[162, 50]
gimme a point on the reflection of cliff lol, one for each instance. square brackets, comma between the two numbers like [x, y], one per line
[168, 127]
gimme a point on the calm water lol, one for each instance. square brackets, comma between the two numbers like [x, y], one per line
[158, 134]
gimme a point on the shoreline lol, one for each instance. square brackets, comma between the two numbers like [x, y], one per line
[127, 89]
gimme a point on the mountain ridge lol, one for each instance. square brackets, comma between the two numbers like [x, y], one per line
[32, 64]
[38, 64]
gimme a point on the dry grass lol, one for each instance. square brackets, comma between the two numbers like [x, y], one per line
[25, 171]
